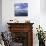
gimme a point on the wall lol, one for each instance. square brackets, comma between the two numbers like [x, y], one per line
[0, 15]
[35, 15]
[8, 11]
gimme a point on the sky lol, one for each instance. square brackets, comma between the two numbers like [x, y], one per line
[21, 7]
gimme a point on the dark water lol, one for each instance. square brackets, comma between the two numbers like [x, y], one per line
[21, 14]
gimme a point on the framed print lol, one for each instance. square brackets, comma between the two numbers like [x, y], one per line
[21, 9]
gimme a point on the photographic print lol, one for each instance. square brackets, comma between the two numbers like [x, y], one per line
[21, 9]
